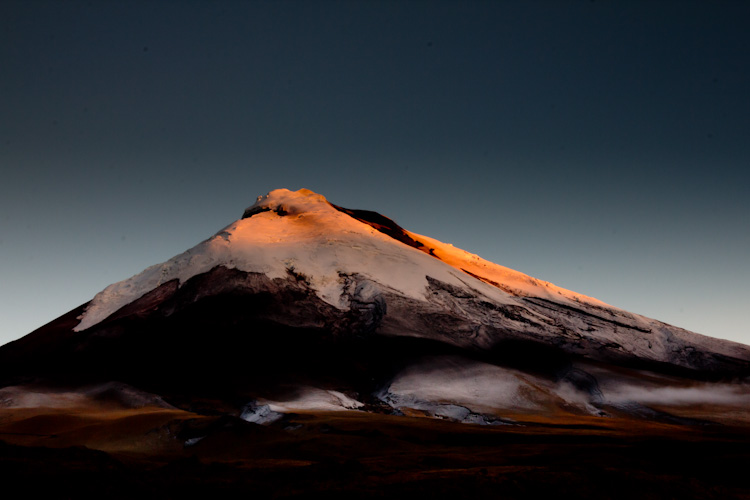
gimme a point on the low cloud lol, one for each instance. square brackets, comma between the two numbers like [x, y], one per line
[738, 394]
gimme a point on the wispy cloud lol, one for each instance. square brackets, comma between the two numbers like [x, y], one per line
[738, 394]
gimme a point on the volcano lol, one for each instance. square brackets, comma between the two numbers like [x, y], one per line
[312, 344]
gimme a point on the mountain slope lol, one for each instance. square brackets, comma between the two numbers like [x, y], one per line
[355, 259]
[305, 304]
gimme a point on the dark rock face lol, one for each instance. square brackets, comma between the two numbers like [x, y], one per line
[221, 325]
[259, 210]
[385, 226]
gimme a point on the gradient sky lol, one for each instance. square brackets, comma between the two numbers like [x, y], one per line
[600, 145]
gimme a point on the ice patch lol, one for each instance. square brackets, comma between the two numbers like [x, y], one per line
[259, 414]
[193, 441]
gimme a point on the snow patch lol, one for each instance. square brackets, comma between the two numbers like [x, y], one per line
[193, 441]
[26, 397]
[476, 386]
[259, 414]
[108, 394]
[313, 399]
[456, 389]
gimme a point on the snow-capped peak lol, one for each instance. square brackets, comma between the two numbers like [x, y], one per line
[288, 202]
[301, 231]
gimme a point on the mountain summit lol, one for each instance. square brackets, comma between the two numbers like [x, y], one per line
[347, 309]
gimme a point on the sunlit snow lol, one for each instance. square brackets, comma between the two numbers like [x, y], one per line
[316, 240]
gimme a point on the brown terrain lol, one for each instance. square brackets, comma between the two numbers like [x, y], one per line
[79, 447]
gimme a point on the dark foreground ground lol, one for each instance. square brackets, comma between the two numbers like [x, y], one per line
[359, 455]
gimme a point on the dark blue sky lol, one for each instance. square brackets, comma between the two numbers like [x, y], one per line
[603, 146]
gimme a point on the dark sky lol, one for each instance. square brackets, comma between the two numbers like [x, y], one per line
[600, 145]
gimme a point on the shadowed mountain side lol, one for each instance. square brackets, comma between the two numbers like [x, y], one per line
[222, 332]
[227, 333]
[44, 342]
[222, 325]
